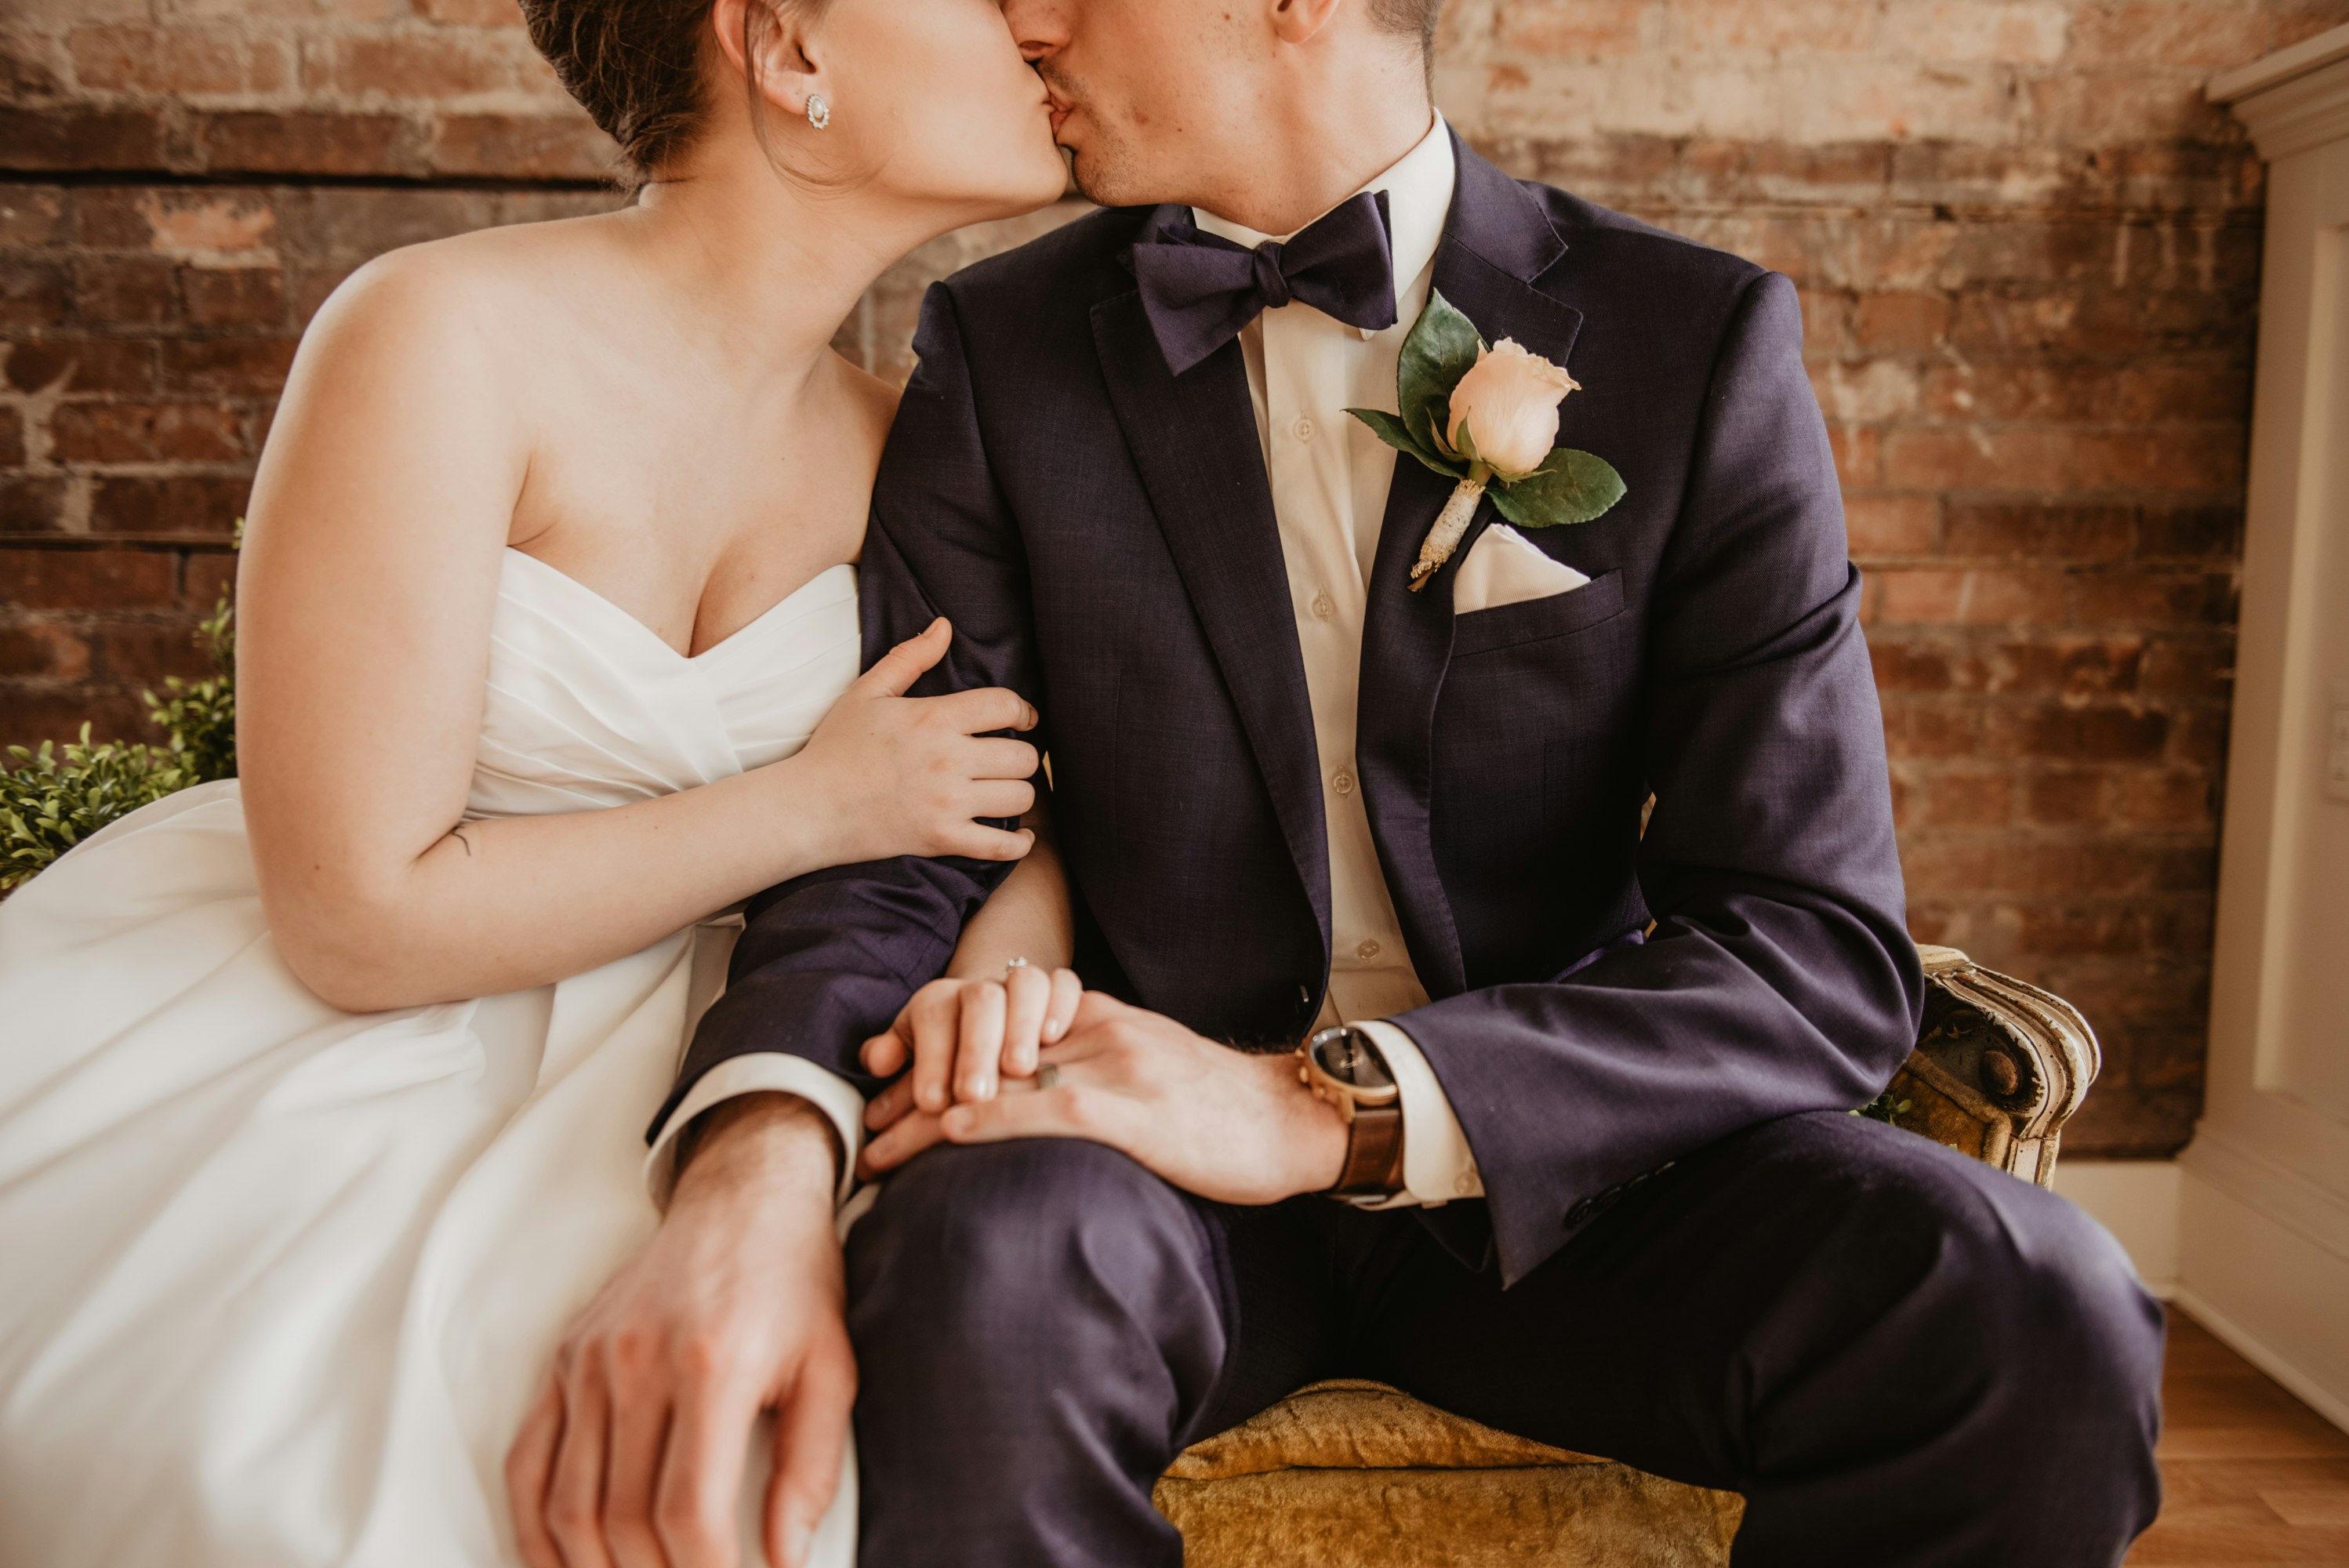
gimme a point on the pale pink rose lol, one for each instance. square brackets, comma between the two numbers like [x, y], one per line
[1509, 402]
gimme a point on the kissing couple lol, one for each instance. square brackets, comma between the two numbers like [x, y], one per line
[808, 974]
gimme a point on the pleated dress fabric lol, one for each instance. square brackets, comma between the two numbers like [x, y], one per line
[277, 1282]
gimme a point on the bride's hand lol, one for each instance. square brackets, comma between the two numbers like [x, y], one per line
[963, 1037]
[896, 775]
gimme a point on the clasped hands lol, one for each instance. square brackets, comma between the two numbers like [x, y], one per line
[970, 1059]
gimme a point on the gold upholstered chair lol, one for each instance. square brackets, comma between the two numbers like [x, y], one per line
[1350, 1474]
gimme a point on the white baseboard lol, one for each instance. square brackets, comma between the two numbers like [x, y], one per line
[2136, 1201]
[2253, 1253]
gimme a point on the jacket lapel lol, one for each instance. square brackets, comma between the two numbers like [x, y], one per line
[1194, 440]
[1497, 241]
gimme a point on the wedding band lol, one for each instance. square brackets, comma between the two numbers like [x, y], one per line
[1046, 1077]
[1015, 963]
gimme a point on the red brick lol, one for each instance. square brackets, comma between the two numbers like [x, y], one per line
[2189, 532]
[2167, 798]
[2138, 598]
[84, 579]
[32, 503]
[1905, 667]
[81, 139]
[242, 223]
[1970, 799]
[1993, 389]
[116, 432]
[125, 291]
[228, 367]
[2181, 458]
[209, 575]
[1891, 524]
[31, 214]
[43, 648]
[530, 147]
[303, 143]
[1857, 455]
[81, 365]
[150, 654]
[471, 13]
[1574, 29]
[32, 293]
[1968, 597]
[234, 297]
[2167, 33]
[2066, 797]
[1910, 323]
[2019, 530]
[2078, 734]
[183, 503]
[1912, 729]
[2199, 670]
[12, 439]
[417, 66]
[175, 61]
[1991, 458]
[27, 717]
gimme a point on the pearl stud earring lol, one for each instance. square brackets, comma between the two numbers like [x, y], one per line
[819, 110]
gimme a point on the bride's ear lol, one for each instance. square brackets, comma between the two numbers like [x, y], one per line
[767, 42]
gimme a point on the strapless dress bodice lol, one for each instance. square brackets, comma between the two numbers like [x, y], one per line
[588, 707]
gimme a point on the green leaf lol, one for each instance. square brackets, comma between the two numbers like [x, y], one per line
[1569, 487]
[1393, 431]
[1442, 346]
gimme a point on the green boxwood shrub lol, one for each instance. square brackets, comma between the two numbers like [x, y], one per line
[54, 797]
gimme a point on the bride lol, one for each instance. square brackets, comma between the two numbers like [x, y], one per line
[323, 1092]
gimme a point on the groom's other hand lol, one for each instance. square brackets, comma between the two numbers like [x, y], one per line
[632, 1455]
[1231, 1126]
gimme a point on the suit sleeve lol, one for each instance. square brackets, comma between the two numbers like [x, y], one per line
[826, 960]
[1779, 977]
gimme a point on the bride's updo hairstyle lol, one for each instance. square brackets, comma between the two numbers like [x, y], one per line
[635, 67]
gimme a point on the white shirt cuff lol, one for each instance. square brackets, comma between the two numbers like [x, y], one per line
[762, 1072]
[1437, 1163]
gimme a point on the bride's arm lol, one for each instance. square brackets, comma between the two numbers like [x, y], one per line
[378, 521]
[1028, 917]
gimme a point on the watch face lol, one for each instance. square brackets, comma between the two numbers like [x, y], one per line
[1345, 1055]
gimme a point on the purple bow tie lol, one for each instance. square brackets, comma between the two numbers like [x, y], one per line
[1199, 289]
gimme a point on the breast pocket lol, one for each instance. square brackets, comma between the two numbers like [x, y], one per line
[1558, 615]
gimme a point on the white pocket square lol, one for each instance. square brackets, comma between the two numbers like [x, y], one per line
[1506, 567]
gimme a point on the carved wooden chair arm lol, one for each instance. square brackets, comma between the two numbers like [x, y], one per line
[2000, 1065]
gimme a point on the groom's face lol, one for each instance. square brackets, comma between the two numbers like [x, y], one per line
[1154, 98]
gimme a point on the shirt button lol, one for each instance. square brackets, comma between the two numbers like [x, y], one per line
[1369, 949]
[1303, 428]
[1322, 607]
[1343, 783]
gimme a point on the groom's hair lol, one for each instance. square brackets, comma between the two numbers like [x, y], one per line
[1413, 19]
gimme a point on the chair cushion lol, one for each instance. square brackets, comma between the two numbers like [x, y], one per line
[1352, 1474]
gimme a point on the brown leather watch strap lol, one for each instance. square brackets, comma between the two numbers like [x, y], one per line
[1373, 1154]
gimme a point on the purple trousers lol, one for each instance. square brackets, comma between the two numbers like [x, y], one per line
[1899, 1355]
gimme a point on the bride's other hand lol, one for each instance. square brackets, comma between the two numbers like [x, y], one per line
[635, 1451]
[896, 775]
[962, 1037]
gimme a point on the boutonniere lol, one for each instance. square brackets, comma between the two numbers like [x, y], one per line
[1488, 419]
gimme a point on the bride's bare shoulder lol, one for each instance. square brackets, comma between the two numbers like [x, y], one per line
[509, 288]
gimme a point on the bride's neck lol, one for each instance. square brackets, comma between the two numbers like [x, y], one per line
[765, 267]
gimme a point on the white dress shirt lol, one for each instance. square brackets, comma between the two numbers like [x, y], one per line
[1330, 476]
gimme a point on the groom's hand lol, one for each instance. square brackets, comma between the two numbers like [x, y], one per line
[633, 1456]
[1226, 1124]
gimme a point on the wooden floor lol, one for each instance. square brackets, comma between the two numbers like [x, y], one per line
[2250, 1475]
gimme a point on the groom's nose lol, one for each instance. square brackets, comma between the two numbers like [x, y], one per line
[1041, 27]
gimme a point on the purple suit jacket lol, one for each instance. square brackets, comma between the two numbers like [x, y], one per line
[1101, 533]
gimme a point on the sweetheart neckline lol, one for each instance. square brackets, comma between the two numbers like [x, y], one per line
[662, 643]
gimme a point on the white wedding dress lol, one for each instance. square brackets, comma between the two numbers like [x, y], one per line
[278, 1281]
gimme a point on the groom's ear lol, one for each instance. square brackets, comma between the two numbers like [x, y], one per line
[1301, 21]
[766, 41]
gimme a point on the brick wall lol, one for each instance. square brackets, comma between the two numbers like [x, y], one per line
[2028, 254]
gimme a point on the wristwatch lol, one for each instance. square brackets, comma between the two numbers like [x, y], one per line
[1343, 1067]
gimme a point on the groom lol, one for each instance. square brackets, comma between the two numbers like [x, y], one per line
[1612, 1201]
